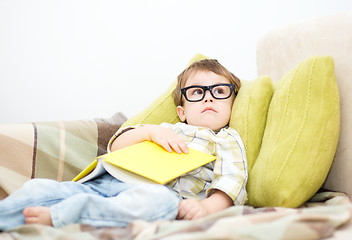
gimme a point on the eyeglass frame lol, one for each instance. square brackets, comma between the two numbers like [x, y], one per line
[210, 88]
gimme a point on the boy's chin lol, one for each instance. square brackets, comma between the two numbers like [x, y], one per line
[213, 125]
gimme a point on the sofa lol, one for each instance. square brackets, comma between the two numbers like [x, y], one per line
[314, 206]
[279, 50]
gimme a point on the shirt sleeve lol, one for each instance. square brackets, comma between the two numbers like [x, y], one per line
[230, 168]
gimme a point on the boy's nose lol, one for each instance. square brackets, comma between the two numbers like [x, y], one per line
[208, 97]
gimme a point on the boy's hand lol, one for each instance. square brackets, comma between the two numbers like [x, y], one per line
[190, 209]
[167, 139]
[163, 136]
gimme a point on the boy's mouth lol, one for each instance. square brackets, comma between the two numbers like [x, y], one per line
[208, 109]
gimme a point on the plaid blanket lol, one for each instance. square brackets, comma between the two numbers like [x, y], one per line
[319, 218]
[59, 150]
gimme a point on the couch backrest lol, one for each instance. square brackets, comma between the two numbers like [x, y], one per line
[281, 49]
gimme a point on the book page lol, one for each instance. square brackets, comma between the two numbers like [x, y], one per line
[124, 175]
[90, 172]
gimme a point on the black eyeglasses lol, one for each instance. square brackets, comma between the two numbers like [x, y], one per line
[196, 93]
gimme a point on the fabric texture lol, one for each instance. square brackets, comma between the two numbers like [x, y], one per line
[320, 218]
[249, 113]
[300, 137]
[56, 150]
[227, 173]
[281, 49]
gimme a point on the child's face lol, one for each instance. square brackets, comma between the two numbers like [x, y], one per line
[209, 112]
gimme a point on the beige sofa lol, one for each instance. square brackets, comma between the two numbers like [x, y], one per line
[281, 49]
[59, 150]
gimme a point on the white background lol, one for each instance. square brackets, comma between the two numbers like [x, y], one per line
[80, 59]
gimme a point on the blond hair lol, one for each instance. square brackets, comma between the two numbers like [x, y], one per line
[211, 65]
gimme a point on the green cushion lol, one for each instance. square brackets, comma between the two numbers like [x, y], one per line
[249, 113]
[300, 138]
[163, 109]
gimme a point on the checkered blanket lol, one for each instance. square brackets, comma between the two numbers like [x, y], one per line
[56, 150]
[59, 150]
[318, 219]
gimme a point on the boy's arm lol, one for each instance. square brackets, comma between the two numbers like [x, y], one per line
[192, 209]
[155, 133]
[234, 176]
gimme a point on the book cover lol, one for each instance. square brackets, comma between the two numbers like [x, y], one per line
[145, 162]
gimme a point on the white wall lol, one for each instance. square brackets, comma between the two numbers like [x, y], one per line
[79, 59]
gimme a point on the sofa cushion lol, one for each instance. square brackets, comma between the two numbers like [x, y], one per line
[249, 113]
[300, 138]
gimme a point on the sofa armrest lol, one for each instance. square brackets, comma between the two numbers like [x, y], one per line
[56, 150]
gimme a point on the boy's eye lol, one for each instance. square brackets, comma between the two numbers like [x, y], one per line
[197, 91]
[219, 90]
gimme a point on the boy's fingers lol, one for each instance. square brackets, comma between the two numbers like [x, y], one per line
[184, 148]
[176, 149]
[172, 143]
[181, 210]
[165, 144]
[167, 147]
[180, 215]
[178, 145]
[180, 148]
[181, 144]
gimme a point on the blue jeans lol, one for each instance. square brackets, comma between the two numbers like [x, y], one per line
[104, 201]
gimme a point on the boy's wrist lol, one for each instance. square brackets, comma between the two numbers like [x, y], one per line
[148, 130]
[216, 202]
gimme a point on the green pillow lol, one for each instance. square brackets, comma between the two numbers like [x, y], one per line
[300, 138]
[163, 109]
[249, 113]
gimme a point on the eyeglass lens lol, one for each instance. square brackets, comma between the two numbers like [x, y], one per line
[197, 93]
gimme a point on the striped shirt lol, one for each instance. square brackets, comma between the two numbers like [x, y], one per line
[228, 172]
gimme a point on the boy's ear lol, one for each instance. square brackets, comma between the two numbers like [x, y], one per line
[181, 113]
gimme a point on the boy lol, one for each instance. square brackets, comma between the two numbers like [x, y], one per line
[204, 95]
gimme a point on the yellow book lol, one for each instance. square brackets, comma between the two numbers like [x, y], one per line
[145, 162]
